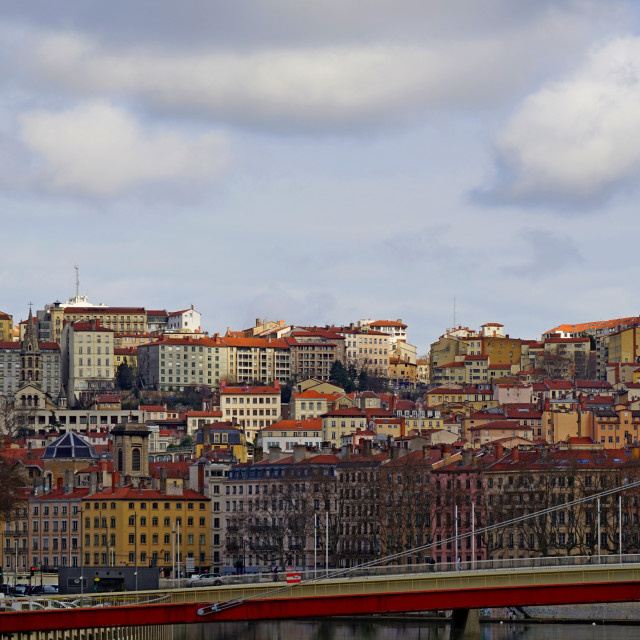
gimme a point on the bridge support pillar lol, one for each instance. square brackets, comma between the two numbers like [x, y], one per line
[465, 624]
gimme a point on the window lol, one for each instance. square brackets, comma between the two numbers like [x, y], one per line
[135, 459]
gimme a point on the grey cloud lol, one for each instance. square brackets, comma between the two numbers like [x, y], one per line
[389, 67]
[551, 254]
[250, 22]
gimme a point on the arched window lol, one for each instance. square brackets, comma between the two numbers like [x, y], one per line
[119, 459]
[24, 401]
[30, 361]
[135, 460]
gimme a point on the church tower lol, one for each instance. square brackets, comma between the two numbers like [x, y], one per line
[131, 452]
[30, 356]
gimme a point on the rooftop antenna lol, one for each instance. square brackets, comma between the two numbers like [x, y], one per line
[76, 267]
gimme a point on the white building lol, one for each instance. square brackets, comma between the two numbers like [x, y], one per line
[187, 320]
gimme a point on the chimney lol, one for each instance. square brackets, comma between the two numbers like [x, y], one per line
[275, 453]
[345, 452]
[68, 481]
[93, 482]
[498, 451]
[115, 481]
[299, 452]
[467, 456]
[163, 480]
[201, 464]
[366, 448]
[446, 452]
[515, 454]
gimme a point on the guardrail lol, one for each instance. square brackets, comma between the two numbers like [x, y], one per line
[502, 564]
[33, 603]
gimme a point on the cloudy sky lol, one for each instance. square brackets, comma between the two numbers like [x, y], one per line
[321, 162]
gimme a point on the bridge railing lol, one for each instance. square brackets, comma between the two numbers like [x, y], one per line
[191, 595]
[496, 564]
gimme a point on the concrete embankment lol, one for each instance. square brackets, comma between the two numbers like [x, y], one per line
[624, 612]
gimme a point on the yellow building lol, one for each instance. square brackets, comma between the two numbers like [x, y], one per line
[128, 356]
[394, 427]
[120, 319]
[221, 437]
[568, 423]
[6, 327]
[472, 397]
[428, 422]
[624, 346]
[402, 371]
[502, 350]
[130, 527]
[312, 404]
[422, 371]
[342, 422]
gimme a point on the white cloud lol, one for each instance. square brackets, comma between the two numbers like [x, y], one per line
[576, 140]
[101, 150]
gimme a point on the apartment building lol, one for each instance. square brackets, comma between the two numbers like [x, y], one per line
[87, 361]
[174, 362]
[251, 360]
[118, 319]
[251, 408]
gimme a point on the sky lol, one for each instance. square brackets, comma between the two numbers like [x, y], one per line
[322, 162]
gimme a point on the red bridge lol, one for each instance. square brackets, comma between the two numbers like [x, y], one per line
[338, 597]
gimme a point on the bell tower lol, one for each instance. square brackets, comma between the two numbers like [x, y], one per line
[30, 356]
[131, 452]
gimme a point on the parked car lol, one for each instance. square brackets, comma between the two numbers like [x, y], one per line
[206, 580]
[44, 590]
[20, 590]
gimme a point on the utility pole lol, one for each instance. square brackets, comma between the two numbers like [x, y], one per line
[135, 521]
[326, 543]
[598, 529]
[620, 526]
[81, 560]
[455, 510]
[173, 554]
[473, 535]
[179, 558]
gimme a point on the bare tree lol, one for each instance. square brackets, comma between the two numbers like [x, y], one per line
[16, 420]
[11, 479]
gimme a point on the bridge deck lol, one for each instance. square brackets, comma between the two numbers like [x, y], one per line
[341, 596]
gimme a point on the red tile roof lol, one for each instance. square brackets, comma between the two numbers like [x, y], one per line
[387, 323]
[249, 390]
[311, 424]
[500, 425]
[132, 494]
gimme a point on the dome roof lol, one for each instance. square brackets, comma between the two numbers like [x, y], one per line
[68, 446]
